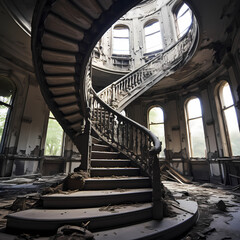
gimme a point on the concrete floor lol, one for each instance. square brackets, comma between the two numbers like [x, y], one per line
[213, 223]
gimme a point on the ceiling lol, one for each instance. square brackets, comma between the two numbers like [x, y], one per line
[214, 18]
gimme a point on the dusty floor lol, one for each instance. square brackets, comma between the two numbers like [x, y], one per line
[213, 223]
[217, 221]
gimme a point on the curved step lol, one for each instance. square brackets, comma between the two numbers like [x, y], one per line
[85, 199]
[168, 228]
[45, 221]
[110, 163]
[110, 183]
[104, 172]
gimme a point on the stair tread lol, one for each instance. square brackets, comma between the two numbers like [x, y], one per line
[114, 160]
[113, 168]
[96, 193]
[59, 215]
[153, 229]
[116, 178]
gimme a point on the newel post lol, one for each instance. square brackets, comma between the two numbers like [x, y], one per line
[84, 144]
[157, 190]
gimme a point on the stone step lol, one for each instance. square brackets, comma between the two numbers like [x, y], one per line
[104, 172]
[110, 163]
[105, 155]
[97, 198]
[48, 220]
[167, 228]
[108, 183]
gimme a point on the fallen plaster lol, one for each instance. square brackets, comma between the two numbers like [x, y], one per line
[213, 223]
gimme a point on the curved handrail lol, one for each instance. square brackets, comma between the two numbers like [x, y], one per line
[151, 72]
[129, 137]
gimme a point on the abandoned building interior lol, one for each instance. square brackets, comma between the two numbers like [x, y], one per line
[128, 95]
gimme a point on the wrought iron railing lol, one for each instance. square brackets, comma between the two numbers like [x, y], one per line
[119, 94]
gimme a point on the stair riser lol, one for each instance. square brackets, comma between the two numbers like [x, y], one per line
[95, 201]
[96, 223]
[114, 163]
[105, 155]
[100, 148]
[110, 172]
[114, 184]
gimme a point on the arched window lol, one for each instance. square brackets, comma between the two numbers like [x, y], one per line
[121, 44]
[183, 19]
[153, 37]
[230, 118]
[54, 139]
[197, 146]
[7, 90]
[156, 125]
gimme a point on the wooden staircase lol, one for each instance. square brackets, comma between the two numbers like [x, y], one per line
[115, 197]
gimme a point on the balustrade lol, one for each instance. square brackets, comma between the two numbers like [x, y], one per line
[123, 90]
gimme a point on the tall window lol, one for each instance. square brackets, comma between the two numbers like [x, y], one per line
[6, 95]
[230, 118]
[54, 139]
[156, 125]
[183, 19]
[197, 147]
[121, 45]
[153, 37]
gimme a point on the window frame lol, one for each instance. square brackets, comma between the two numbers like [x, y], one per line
[161, 123]
[129, 42]
[8, 115]
[225, 136]
[187, 119]
[150, 22]
[63, 138]
[175, 13]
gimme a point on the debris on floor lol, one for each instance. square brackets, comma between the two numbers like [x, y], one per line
[68, 232]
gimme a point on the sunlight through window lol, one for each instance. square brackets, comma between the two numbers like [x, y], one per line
[195, 128]
[184, 19]
[230, 117]
[121, 43]
[153, 38]
[54, 139]
[156, 125]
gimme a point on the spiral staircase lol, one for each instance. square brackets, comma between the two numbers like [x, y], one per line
[64, 33]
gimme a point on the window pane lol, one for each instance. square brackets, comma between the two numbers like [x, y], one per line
[153, 37]
[6, 100]
[152, 28]
[197, 138]
[227, 96]
[54, 138]
[233, 130]
[153, 42]
[121, 32]
[120, 46]
[194, 108]
[156, 115]
[3, 115]
[158, 130]
[184, 19]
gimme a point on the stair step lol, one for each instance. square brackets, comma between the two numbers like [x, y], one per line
[41, 220]
[110, 163]
[105, 183]
[86, 199]
[104, 172]
[100, 147]
[104, 155]
[167, 228]
[96, 140]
